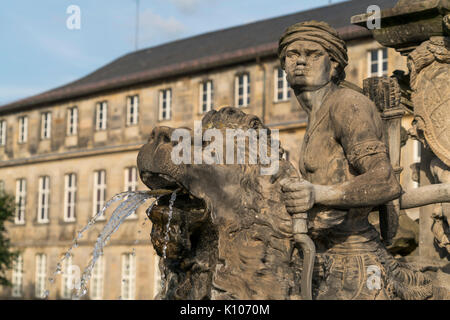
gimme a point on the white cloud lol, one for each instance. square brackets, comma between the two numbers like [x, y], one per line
[156, 28]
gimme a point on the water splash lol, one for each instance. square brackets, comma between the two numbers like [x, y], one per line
[132, 201]
[91, 222]
[126, 208]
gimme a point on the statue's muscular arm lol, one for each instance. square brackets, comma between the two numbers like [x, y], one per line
[374, 186]
[357, 127]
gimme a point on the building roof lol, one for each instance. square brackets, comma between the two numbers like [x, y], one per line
[202, 52]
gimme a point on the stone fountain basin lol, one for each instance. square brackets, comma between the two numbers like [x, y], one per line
[409, 23]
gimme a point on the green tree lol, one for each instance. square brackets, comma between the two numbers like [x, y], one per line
[7, 256]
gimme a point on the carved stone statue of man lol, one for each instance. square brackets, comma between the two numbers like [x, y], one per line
[346, 170]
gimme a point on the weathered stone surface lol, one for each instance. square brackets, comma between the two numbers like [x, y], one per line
[228, 234]
[352, 166]
[229, 237]
[420, 29]
[248, 252]
[430, 71]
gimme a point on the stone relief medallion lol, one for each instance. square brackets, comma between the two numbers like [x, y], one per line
[430, 70]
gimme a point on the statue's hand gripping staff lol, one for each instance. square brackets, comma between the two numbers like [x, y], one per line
[302, 241]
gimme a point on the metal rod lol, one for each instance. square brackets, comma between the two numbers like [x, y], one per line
[136, 40]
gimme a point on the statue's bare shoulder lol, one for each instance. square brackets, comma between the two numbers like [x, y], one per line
[357, 124]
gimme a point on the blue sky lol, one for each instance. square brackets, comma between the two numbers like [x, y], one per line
[39, 52]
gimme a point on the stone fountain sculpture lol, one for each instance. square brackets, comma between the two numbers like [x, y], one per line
[420, 30]
[229, 236]
[233, 233]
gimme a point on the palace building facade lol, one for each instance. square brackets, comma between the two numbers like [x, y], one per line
[65, 152]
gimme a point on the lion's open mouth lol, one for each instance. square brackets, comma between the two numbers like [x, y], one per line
[159, 181]
[184, 199]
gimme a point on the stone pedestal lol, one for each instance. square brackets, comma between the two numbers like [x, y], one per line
[420, 30]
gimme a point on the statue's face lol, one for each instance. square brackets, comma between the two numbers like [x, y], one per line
[308, 65]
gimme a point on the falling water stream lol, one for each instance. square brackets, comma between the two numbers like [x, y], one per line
[167, 237]
[132, 200]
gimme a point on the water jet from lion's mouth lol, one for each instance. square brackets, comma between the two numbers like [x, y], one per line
[166, 237]
[173, 197]
[132, 200]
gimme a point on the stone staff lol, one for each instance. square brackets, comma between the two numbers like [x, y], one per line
[304, 242]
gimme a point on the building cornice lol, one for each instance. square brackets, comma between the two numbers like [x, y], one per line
[71, 155]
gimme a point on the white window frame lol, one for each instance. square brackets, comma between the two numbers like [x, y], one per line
[165, 104]
[67, 278]
[2, 132]
[46, 125]
[130, 184]
[379, 62]
[43, 199]
[21, 200]
[284, 89]
[41, 276]
[206, 96]
[245, 96]
[96, 289]
[72, 121]
[23, 129]
[128, 283]
[70, 197]
[101, 115]
[99, 196]
[17, 277]
[130, 179]
[132, 110]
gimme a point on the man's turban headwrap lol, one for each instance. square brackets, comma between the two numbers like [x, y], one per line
[319, 32]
